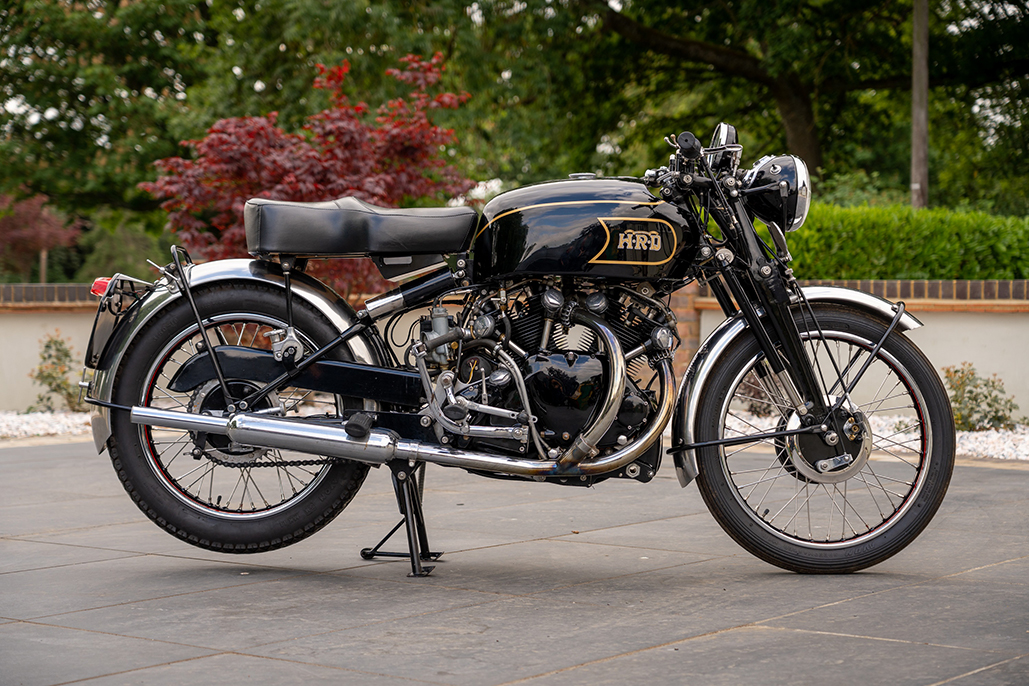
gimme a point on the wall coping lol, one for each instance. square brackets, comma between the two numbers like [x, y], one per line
[925, 295]
[948, 295]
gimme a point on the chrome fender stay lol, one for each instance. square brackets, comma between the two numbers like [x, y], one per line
[698, 374]
[318, 295]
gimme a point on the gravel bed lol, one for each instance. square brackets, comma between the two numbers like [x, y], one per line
[1003, 445]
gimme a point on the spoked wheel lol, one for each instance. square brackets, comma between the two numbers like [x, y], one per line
[205, 489]
[839, 501]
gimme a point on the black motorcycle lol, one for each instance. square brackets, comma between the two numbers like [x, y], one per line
[242, 401]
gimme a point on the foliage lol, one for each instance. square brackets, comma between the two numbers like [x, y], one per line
[858, 187]
[896, 242]
[56, 363]
[27, 227]
[390, 159]
[94, 91]
[88, 90]
[121, 242]
[979, 404]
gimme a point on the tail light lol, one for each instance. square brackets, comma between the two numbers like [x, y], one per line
[100, 286]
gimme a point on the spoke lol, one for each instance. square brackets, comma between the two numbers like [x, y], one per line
[174, 457]
[767, 490]
[877, 444]
[761, 481]
[879, 406]
[883, 477]
[843, 511]
[228, 501]
[880, 401]
[772, 518]
[209, 469]
[895, 455]
[882, 488]
[257, 488]
[169, 396]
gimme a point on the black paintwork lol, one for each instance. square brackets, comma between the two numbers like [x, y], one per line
[584, 227]
[564, 391]
[332, 376]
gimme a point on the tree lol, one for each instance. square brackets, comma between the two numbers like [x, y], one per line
[28, 229]
[88, 90]
[390, 158]
[810, 56]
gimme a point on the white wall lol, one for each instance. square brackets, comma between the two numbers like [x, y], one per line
[20, 338]
[994, 343]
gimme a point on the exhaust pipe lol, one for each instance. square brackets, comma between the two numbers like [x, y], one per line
[383, 445]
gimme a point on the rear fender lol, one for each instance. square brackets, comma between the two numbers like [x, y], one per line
[687, 404]
[318, 295]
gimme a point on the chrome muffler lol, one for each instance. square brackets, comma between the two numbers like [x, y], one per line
[383, 445]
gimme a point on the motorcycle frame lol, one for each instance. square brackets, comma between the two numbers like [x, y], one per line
[754, 279]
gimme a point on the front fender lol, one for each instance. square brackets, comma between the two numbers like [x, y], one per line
[694, 381]
[318, 295]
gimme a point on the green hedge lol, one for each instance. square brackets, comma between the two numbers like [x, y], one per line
[896, 242]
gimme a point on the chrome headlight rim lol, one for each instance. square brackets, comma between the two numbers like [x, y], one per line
[803, 194]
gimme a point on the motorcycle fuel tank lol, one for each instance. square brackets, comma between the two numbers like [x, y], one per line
[604, 228]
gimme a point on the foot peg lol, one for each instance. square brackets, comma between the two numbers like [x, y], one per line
[360, 425]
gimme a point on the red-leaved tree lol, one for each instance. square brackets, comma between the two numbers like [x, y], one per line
[387, 158]
[27, 232]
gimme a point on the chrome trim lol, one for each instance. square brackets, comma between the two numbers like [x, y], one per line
[382, 445]
[384, 304]
[703, 363]
[585, 446]
[179, 420]
[872, 304]
[321, 297]
[693, 382]
[307, 437]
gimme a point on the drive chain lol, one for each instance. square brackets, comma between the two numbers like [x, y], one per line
[281, 463]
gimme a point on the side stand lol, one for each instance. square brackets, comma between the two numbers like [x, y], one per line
[406, 486]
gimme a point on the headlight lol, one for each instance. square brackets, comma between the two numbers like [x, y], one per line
[770, 205]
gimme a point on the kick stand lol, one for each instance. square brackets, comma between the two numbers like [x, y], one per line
[406, 482]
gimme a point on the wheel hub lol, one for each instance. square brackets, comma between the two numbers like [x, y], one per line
[834, 455]
[209, 399]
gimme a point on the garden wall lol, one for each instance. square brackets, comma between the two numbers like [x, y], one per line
[982, 322]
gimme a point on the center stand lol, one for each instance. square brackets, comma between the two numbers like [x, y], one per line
[408, 485]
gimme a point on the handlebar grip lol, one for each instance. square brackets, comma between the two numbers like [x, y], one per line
[689, 146]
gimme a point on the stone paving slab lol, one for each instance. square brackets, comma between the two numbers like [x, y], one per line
[623, 583]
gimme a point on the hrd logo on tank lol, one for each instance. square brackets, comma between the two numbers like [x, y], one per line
[639, 240]
[636, 240]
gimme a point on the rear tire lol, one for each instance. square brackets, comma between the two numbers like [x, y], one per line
[245, 507]
[781, 508]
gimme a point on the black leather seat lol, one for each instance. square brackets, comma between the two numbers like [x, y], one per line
[350, 227]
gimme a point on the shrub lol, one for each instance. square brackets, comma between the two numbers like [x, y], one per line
[392, 155]
[55, 364]
[979, 404]
[896, 242]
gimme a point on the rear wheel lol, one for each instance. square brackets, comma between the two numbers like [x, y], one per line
[799, 502]
[230, 498]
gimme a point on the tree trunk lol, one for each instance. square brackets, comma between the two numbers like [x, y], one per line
[44, 254]
[794, 104]
[920, 105]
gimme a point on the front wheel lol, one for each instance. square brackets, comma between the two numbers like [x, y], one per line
[802, 503]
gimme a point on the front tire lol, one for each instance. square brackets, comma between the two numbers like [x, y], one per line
[245, 499]
[785, 510]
